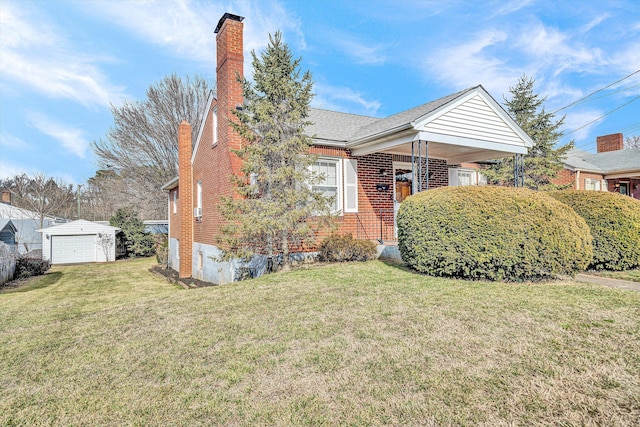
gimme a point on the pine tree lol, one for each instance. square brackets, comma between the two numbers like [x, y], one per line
[272, 216]
[543, 162]
[137, 241]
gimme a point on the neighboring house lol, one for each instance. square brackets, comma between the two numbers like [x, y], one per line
[156, 226]
[370, 164]
[8, 233]
[78, 242]
[27, 238]
[612, 168]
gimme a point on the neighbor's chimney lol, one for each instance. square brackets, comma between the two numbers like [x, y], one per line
[229, 50]
[6, 197]
[613, 142]
[186, 199]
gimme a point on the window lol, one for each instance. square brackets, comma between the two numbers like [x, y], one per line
[175, 202]
[197, 212]
[215, 125]
[329, 169]
[592, 184]
[340, 182]
[199, 260]
[463, 177]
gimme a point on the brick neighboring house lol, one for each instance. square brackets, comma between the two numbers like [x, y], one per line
[612, 168]
[371, 164]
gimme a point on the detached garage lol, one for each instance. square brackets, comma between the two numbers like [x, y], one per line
[79, 241]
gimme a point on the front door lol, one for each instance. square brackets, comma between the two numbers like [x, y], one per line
[624, 188]
[402, 188]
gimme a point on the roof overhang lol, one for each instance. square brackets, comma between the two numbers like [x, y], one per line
[632, 174]
[453, 149]
[471, 128]
[171, 184]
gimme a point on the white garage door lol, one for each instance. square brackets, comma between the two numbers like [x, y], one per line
[71, 249]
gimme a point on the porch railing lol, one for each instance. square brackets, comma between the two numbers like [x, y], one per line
[376, 225]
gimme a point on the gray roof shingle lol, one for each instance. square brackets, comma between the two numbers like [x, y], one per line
[336, 127]
[609, 162]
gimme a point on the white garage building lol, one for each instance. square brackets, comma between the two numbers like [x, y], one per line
[79, 241]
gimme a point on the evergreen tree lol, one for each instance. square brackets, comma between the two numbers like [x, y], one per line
[272, 216]
[543, 162]
[137, 241]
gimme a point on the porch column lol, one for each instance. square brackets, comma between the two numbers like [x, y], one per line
[419, 167]
[518, 170]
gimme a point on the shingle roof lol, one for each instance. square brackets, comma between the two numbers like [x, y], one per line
[407, 116]
[335, 126]
[608, 162]
[339, 127]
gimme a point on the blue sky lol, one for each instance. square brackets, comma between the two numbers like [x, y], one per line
[63, 63]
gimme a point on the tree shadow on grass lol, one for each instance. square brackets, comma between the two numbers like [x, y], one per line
[32, 283]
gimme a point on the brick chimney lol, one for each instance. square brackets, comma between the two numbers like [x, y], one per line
[185, 176]
[613, 142]
[230, 61]
[6, 197]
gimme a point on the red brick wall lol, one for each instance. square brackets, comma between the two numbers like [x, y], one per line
[612, 142]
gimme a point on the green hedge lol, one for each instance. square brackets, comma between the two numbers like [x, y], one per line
[614, 221]
[494, 233]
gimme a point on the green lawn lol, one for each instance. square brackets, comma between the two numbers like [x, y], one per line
[630, 275]
[352, 344]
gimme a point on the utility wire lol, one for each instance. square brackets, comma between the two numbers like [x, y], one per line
[593, 93]
[604, 115]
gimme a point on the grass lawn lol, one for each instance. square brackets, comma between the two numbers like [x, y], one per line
[353, 344]
[631, 275]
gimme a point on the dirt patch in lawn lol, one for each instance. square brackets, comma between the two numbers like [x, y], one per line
[172, 276]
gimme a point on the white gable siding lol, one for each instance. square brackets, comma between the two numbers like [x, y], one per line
[474, 119]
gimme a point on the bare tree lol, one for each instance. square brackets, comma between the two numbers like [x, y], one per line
[142, 145]
[632, 142]
[43, 195]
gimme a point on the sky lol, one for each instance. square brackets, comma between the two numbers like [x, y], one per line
[63, 64]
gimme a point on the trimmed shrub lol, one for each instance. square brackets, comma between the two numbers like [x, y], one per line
[343, 247]
[614, 221]
[27, 267]
[494, 233]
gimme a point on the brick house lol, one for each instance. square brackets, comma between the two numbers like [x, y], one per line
[371, 164]
[612, 168]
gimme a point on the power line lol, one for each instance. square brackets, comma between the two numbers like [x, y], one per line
[593, 93]
[604, 115]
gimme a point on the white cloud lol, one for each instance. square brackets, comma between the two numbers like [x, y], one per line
[34, 54]
[343, 99]
[468, 64]
[186, 27]
[11, 169]
[578, 119]
[512, 6]
[556, 51]
[362, 52]
[10, 141]
[71, 139]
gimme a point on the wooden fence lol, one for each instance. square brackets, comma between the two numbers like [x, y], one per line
[7, 263]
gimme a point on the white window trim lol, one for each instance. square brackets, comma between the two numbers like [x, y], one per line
[197, 212]
[175, 202]
[454, 176]
[597, 184]
[339, 180]
[215, 125]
